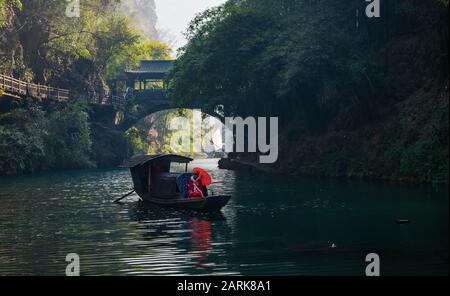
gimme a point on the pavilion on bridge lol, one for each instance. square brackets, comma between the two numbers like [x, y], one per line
[148, 78]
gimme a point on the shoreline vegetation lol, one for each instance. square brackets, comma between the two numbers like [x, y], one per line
[361, 102]
[367, 102]
[39, 44]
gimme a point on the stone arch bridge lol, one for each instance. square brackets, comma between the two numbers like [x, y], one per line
[144, 87]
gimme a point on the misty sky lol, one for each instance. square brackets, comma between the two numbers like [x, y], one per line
[175, 15]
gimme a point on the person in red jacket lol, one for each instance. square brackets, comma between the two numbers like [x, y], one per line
[195, 186]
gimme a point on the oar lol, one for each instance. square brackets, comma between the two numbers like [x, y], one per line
[126, 195]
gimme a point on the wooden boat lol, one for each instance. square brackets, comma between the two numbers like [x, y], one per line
[154, 181]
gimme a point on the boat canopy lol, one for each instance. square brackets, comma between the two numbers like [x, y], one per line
[151, 174]
[144, 159]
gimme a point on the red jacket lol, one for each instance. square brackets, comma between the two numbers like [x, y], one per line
[195, 187]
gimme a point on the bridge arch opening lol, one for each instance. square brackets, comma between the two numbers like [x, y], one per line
[182, 131]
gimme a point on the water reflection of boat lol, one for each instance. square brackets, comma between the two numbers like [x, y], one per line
[146, 210]
[200, 237]
[194, 230]
[155, 182]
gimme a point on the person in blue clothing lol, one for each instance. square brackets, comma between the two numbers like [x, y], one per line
[182, 183]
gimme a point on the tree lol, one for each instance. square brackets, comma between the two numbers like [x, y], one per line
[68, 141]
[291, 55]
[129, 54]
[7, 8]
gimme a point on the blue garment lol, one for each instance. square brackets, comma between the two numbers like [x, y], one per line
[182, 183]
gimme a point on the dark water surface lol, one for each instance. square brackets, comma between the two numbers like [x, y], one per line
[272, 226]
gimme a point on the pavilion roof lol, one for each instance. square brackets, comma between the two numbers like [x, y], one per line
[152, 67]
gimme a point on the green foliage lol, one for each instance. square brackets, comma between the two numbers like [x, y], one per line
[138, 147]
[22, 141]
[68, 142]
[154, 50]
[128, 55]
[40, 43]
[307, 63]
[19, 152]
[291, 55]
[216, 66]
[32, 139]
[86, 50]
[6, 9]
[98, 36]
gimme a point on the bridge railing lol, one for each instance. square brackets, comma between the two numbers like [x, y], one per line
[20, 87]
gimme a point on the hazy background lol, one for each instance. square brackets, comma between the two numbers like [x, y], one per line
[175, 15]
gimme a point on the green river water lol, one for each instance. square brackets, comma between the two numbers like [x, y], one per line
[273, 225]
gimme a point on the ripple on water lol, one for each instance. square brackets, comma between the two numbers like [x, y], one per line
[273, 225]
